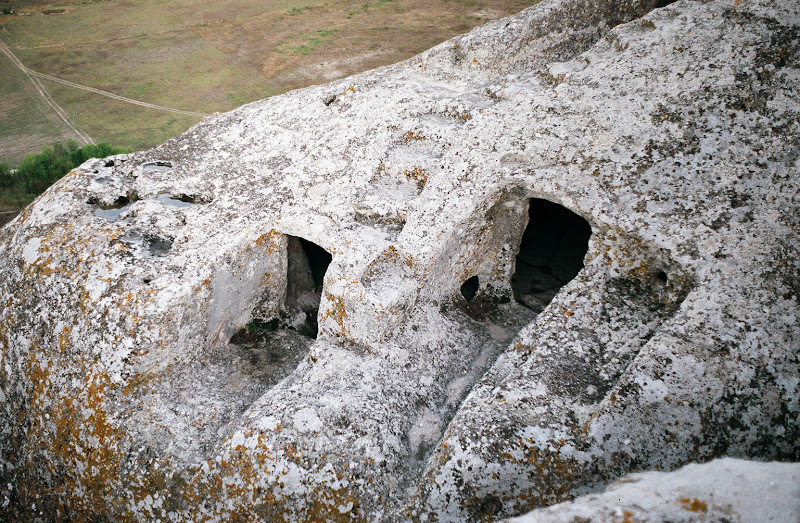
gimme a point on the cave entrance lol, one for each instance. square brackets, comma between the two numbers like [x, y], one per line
[551, 253]
[307, 263]
[282, 327]
[470, 288]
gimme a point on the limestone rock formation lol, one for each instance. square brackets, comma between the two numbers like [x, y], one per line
[724, 490]
[558, 249]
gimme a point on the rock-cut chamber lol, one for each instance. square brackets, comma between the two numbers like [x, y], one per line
[551, 253]
[307, 263]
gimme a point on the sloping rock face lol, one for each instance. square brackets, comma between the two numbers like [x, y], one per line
[725, 489]
[555, 250]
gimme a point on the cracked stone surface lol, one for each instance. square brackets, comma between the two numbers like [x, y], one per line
[151, 368]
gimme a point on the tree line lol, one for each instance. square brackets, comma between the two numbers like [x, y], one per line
[37, 172]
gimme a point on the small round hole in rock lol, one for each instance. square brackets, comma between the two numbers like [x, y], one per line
[661, 276]
[469, 288]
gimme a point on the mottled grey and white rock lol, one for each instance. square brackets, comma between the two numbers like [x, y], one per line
[157, 350]
[724, 490]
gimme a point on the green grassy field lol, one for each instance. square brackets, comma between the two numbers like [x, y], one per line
[199, 56]
[26, 122]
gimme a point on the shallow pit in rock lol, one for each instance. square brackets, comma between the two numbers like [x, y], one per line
[113, 211]
[181, 200]
[157, 166]
[266, 345]
[143, 244]
[271, 355]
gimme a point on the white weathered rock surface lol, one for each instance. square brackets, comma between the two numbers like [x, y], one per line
[675, 135]
[724, 490]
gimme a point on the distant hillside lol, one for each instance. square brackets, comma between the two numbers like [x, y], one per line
[196, 56]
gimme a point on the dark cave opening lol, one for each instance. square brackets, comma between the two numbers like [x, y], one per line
[307, 263]
[272, 344]
[469, 288]
[551, 253]
[318, 258]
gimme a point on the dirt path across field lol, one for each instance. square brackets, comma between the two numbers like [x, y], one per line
[83, 137]
[33, 75]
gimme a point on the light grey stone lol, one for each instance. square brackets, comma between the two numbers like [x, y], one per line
[672, 131]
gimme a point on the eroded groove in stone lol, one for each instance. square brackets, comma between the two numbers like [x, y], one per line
[554, 377]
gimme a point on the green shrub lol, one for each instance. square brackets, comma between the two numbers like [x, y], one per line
[5, 175]
[37, 172]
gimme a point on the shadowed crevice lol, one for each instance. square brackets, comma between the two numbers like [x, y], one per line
[551, 253]
[307, 263]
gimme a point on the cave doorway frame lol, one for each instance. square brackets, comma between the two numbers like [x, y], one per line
[551, 251]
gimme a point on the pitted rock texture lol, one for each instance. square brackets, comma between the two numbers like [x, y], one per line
[157, 309]
[726, 489]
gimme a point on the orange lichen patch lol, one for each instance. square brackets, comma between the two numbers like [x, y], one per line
[4, 344]
[627, 515]
[85, 302]
[694, 505]
[68, 459]
[558, 474]
[143, 381]
[337, 311]
[61, 241]
[411, 136]
[554, 477]
[621, 248]
[250, 486]
[334, 505]
[379, 171]
[419, 176]
[42, 267]
[64, 338]
[461, 116]
[391, 253]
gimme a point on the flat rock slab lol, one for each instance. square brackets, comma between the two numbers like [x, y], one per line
[154, 365]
